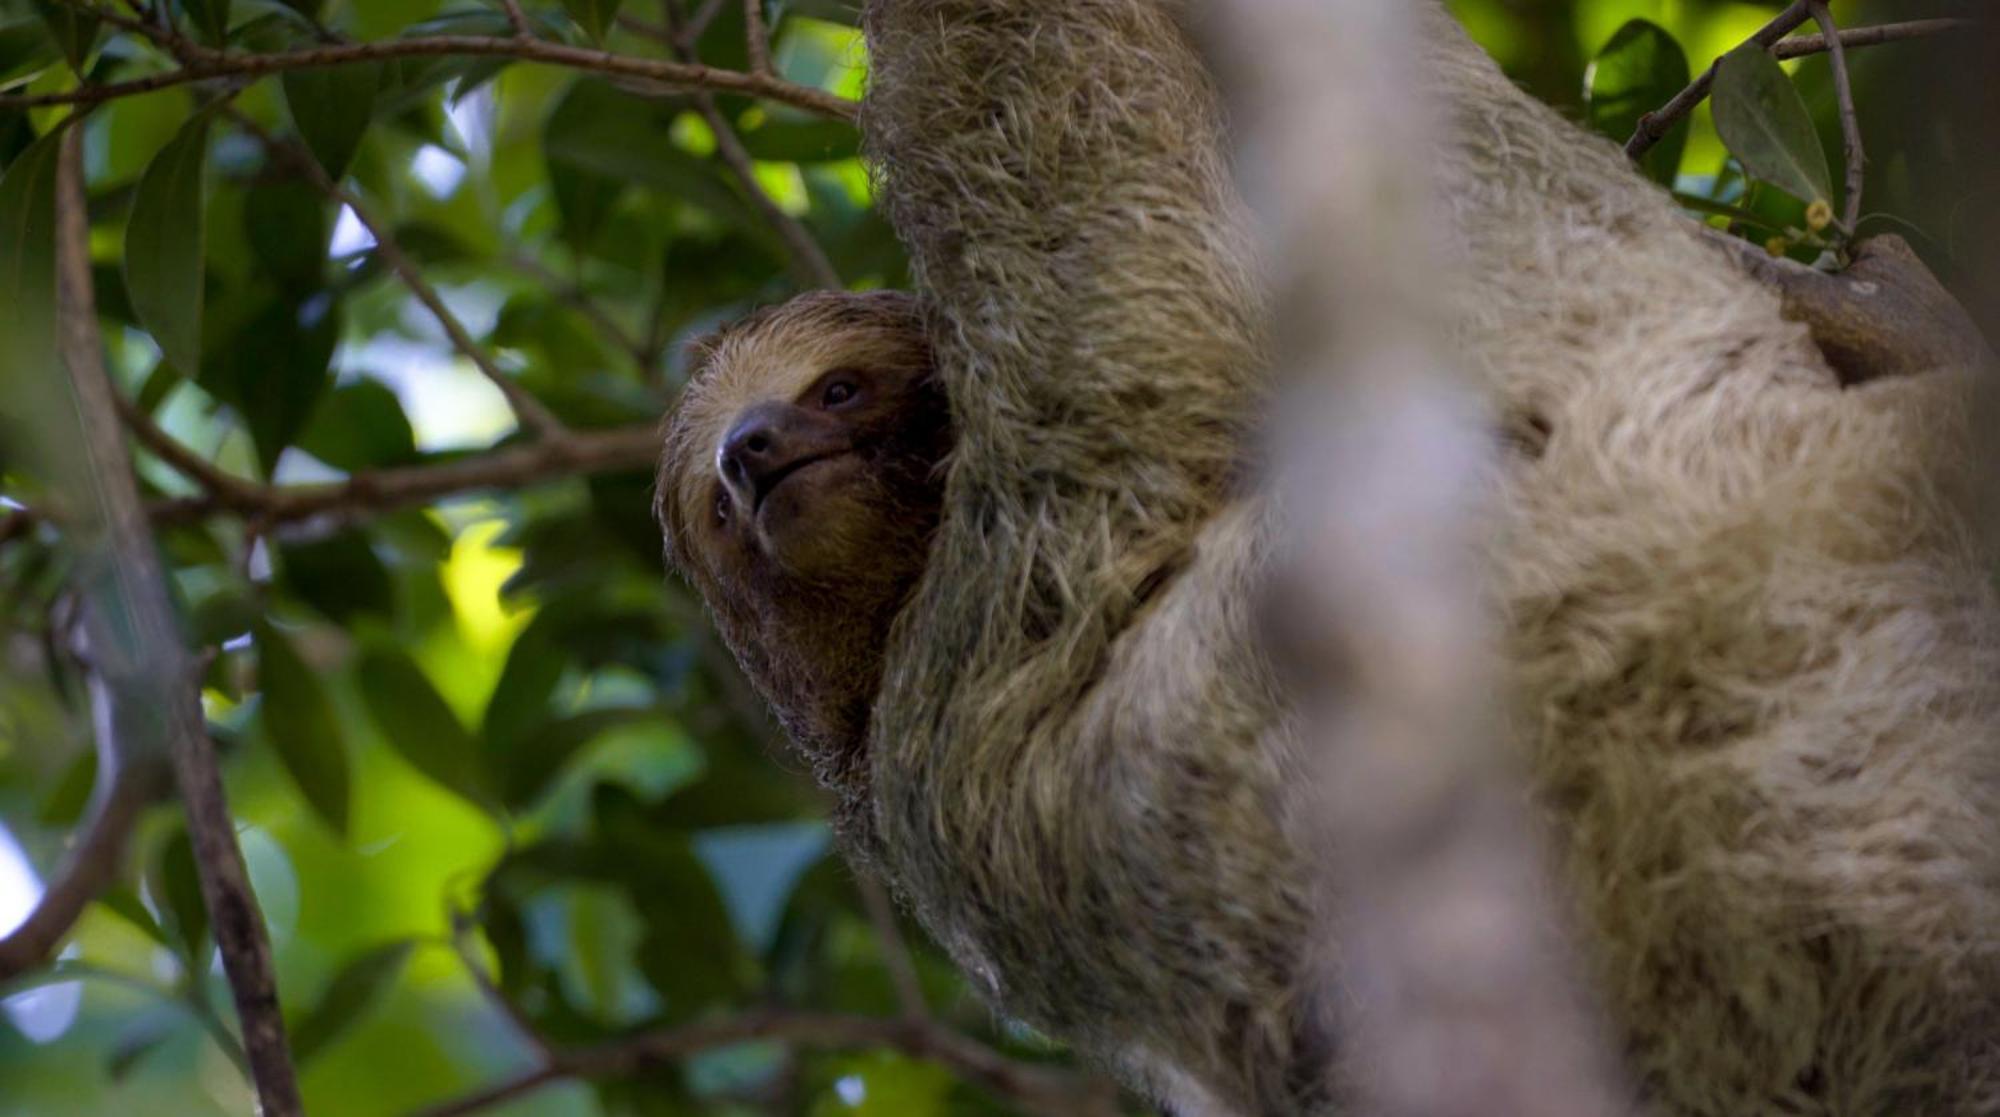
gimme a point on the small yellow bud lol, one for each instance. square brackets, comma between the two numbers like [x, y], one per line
[1819, 215]
[1777, 246]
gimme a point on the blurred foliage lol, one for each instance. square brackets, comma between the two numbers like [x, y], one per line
[486, 727]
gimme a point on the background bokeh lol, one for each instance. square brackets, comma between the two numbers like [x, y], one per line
[512, 740]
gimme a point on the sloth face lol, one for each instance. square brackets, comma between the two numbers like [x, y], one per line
[800, 485]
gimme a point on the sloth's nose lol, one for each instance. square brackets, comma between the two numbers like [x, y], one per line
[767, 443]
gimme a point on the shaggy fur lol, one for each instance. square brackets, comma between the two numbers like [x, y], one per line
[1751, 643]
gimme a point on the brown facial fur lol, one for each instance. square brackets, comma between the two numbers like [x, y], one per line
[805, 575]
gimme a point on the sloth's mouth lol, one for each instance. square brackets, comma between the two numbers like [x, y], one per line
[771, 481]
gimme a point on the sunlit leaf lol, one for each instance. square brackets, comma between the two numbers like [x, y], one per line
[164, 246]
[1762, 118]
[1638, 72]
[332, 107]
[356, 988]
[417, 723]
[301, 724]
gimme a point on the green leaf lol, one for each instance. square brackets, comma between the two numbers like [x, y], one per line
[25, 47]
[339, 575]
[802, 141]
[358, 985]
[164, 246]
[1764, 121]
[594, 16]
[210, 18]
[417, 723]
[332, 107]
[303, 727]
[272, 366]
[533, 758]
[358, 426]
[138, 1039]
[289, 225]
[176, 885]
[32, 388]
[1638, 71]
[74, 31]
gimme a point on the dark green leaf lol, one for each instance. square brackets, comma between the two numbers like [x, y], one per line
[125, 903]
[31, 385]
[25, 47]
[288, 225]
[301, 724]
[272, 368]
[594, 16]
[358, 985]
[533, 758]
[1636, 73]
[339, 575]
[65, 803]
[210, 18]
[73, 30]
[164, 246]
[332, 107]
[1765, 123]
[416, 722]
[177, 887]
[360, 425]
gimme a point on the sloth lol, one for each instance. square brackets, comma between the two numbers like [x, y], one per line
[993, 553]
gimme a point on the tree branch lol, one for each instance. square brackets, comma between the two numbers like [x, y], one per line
[756, 37]
[1036, 1088]
[124, 791]
[1655, 125]
[808, 258]
[1850, 120]
[147, 678]
[208, 64]
[571, 454]
[532, 415]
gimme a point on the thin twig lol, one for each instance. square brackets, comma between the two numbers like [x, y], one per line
[219, 64]
[576, 298]
[1654, 125]
[809, 260]
[518, 19]
[124, 791]
[1855, 37]
[1036, 1088]
[1850, 120]
[756, 37]
[530, 411]
[145, 670]
[227, 488]
[698, 24]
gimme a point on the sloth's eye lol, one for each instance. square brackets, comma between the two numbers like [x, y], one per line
[838, 393]
[722, 507]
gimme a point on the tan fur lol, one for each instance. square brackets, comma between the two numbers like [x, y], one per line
[1752, 646]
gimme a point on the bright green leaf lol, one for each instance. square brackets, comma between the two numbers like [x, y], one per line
[164, 246]
[1762, 118]
[302, 726]
[417, 723]
[356, 988]
[1636, 73]
[332, 107]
